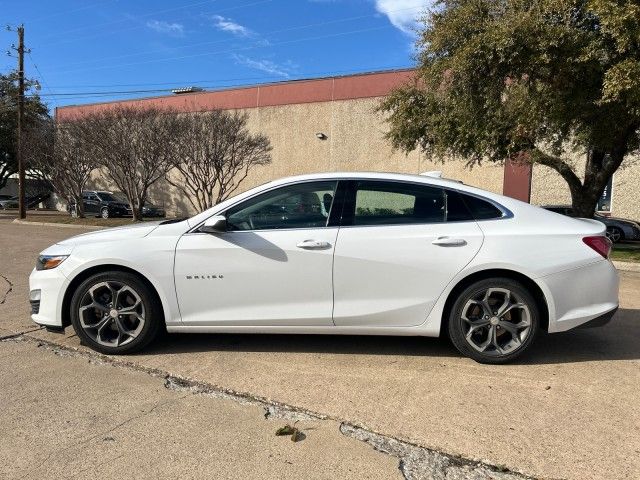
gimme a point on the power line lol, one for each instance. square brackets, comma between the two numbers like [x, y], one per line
[58, 13]
[142, 25]
[75, 39]
[196, 83]
[41, 76]
[239, 85]
[239, 49]
[200, 44]
[157, 12]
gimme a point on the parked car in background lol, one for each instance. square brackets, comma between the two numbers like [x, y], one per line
[31, 201]
[154, 211]
[618, 229]
[111, 204]
[102, 204]
[336, 253]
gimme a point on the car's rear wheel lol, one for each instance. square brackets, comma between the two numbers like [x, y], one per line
[494, 320]
[104, 213]
[115, 313]
[615, 234]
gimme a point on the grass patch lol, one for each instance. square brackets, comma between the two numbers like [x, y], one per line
[626, 253]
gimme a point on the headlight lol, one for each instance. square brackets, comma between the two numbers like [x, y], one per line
[47, 262]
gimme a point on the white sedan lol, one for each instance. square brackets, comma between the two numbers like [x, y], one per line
[336, 253]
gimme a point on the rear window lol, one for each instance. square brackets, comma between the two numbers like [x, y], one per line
[481, 209]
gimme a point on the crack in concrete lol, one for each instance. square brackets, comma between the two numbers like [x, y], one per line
[19, 334]
[271, 408]
[9, 290]
[415, 462]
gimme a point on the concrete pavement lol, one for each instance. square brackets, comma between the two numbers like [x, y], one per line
[64, 417]
[569, 410]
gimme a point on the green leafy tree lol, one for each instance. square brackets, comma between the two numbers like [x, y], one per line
[36, 113]
[539, 81]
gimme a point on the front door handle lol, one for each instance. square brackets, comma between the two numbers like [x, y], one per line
[314, 245]
[449, 242]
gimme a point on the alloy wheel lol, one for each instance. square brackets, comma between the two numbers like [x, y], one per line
[496, 321]
[112, 313]
[614, 235]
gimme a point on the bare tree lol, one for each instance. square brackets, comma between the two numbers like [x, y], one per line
[135, 147]
[216, 152]
[58, 155]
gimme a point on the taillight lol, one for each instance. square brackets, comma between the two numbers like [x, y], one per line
[600, 244]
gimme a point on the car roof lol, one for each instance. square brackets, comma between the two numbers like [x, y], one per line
[407, 177]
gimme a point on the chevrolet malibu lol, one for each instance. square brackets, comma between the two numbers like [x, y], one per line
[354, 253]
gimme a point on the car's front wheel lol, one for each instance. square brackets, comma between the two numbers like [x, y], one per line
[104, 213]
[115, 313]
[494, 320]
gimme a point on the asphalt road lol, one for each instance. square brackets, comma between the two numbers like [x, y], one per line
[569, 410]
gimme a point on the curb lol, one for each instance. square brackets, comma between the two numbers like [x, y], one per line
[627, 266]
[61, 225]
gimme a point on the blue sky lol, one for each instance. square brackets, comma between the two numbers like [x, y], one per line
[88, 47]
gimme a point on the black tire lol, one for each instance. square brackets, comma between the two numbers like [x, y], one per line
[615, 234]
[104, 212]
[145, 297]
[512, 345]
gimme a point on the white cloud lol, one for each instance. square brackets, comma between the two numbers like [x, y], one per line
[175, 29]
[228, 25]
[267, 66]
[403, 14]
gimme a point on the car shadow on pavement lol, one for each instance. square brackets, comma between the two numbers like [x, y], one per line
[330, 344]
[618, 340]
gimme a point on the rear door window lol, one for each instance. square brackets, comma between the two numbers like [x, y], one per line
[396, 203]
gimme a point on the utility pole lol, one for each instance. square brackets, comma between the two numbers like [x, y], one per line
[21, 206]
[20, 130]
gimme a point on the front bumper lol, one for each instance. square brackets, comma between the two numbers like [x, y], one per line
[47, 310]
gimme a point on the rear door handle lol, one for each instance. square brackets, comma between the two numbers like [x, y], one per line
[449, 242]
[314, 245]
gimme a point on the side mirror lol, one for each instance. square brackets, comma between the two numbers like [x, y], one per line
[215, 224]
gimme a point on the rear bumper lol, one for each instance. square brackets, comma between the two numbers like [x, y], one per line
[600, 321]
[583, 295]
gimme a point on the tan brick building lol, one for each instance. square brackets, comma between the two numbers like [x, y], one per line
[331, 124]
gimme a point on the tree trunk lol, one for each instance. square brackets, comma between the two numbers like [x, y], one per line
[600, 167]
[137, 209]
[584, 204]
[137, 213]
[79, 206]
